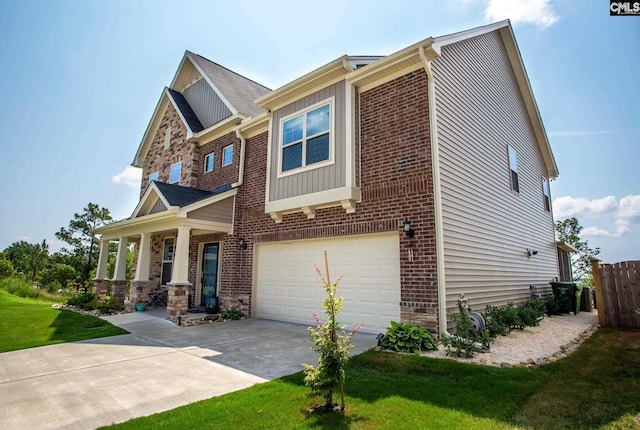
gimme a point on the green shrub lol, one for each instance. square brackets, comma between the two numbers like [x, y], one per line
[18, 286]
[232, 314]
[82, 300]
[494, 319]
[531, 313]
[409, 338]
[552, 306]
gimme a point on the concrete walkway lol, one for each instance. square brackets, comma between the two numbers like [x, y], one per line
[158, 367]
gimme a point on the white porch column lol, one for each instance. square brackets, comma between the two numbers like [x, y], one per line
[180, 272]
[144, 257]
[101, 271]
[120, 273]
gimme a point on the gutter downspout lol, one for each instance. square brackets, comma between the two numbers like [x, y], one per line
[433, 53]
[243, 142]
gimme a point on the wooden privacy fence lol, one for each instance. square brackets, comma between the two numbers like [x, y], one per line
[617, 293]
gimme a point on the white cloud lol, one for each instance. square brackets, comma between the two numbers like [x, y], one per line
[625, 212]
[572, 133]
[537, 12]
[630, 208]
[595, 231]
[567, 206]
[130, 176]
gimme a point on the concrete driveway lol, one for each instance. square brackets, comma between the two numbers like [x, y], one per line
[157, 367]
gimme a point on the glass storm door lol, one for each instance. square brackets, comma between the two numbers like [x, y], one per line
[209, 272]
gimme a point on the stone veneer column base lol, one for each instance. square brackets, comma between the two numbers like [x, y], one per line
[241, 302]
[177, 301]
[118, 290]
[100, 288]
[422, 314]
[140, 291]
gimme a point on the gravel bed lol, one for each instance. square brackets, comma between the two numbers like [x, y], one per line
[555, 338]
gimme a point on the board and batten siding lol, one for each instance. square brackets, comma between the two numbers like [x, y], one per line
[314, 180]
[221, 211]
[487, 227]
[205, 103]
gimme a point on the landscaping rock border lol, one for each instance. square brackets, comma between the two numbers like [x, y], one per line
[555, 338]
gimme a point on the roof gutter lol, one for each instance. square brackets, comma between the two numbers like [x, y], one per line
[427, 56]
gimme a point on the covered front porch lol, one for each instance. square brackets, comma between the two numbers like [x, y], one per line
[167, 223]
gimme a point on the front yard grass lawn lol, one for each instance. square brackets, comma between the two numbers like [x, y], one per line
[596, 387]
[26, 323]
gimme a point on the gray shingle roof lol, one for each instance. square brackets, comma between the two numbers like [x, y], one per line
[177, 195]
[189, 115]
[238, 90]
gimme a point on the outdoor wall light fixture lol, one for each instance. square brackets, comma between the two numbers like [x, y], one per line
[242, 243]
[407, 228]
[531, 253]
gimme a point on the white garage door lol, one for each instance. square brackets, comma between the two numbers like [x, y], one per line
[287, 286]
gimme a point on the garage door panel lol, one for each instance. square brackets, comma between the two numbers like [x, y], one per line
[287, 286]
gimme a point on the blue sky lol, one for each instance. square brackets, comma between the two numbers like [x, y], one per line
[81, 80]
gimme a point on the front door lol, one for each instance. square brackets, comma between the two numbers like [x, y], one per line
[209, 273]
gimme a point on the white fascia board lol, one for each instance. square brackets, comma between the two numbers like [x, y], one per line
[253, 126]
[175, 77]
[138, 160]
[208, 201]
[219, 129]
[331, 71]
[205, 76]
[467, 34]
[118, 229]
[153, 188]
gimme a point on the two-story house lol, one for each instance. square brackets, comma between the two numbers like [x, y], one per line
[424, 174]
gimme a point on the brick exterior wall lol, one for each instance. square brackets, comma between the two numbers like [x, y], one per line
[221, 175]
[396, 183]
[160, 160]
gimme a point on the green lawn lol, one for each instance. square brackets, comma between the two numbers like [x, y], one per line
[25, 323]
[596, 387]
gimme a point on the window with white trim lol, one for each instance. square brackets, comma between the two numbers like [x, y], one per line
[154, 176]
[546, 194]
[174, 175]
[167, 259]
[306, 138]
[513, 170]
[209, 162]
[227, 155]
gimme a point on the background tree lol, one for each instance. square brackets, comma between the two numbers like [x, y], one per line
[28, 258]
[568, 231]
[79, 236]
[57, 276]
[6, 268]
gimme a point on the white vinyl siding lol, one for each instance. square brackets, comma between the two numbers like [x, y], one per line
[286, 286]
[487, 228]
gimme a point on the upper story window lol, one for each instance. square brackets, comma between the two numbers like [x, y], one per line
[227, 155]
[174, 176]
[306, 138]
[154, 176]
[546, 194]
[209, 162]
[513, 169]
